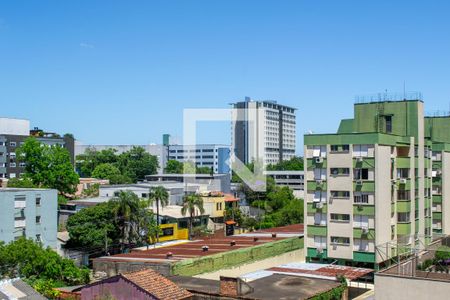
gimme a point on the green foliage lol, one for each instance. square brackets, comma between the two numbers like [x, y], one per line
[62, 199]
[111, 172]
[87, 162]
[294, 164]
[173, 167]
[425, 265]
[88, 227]
[127, 167]
[334, 294]
[45, 287]
[21, 183]
[204, 170]
[92, 190]
[27, 259]
[442, 253]
[137, 163]
[48, 166]
[192, 204]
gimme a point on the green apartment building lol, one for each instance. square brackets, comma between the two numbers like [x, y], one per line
[382, 179]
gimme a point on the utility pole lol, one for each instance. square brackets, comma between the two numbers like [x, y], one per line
[106, 242]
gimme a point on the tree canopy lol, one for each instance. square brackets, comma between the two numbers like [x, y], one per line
[42, 268]
[132, 165]
[48, 166]
[294, 164]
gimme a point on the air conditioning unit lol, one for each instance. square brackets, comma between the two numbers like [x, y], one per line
[439, 172]
[359, 182]
[359, 159]
[319, 250]
[319, 205]
[360, 206]
[402, 181]
[365, 230]
[319, 160]
[319, 181]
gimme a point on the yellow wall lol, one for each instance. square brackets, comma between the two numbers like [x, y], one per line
[178, 234]
[216, 213]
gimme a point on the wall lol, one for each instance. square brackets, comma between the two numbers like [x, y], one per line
[178, 234]
[111, 267]
[116, 288]
[235, 258]
[406, 288]
[285, 258]
[47, 210]
[446, 193]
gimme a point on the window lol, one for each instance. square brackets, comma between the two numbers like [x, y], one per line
[360, 245]
[12, 165]
[38, 238]
[361, 174]
[340, 240]
[361, 198]
[360, 150]
[22, 164]
[320, 219]
[403, 217]
[320, 196]
[339, 148]
[12, 175]
[219, 206]
[403, 173]
[38, 200]
[320, 174]
[38, 219]
[320, 241]
[340, 171]
[403, 195]
[144, 195]
[360, 221]
[12, 144]
[388, 122]
[319, 151]
[340, 217]
[340, 194]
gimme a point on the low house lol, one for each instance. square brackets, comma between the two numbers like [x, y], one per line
[216, 203]
[141, 285]
[17, 289]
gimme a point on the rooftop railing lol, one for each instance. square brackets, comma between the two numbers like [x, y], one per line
[382, 97]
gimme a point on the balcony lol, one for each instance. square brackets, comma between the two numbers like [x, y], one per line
[364, 186]
[19, 223]
[364, 233]
[364, 209]
[404, 228]
[403, 206]
[317, 230]
[403, 162]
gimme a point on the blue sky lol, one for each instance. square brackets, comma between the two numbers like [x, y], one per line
[123, 71]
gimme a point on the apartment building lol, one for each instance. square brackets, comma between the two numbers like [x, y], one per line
[371, 182]
[13, 133]
[213, 156]
[292, 179]
[263, 130]
[29, 213]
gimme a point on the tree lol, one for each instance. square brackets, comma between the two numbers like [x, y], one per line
[87, 162]
[137, 163]
[48, 166]
[126, 208]
[173, 167]
[42, 268]
[94, 226]
[192, 203]
[160, 195]
[111, 172]
[204, 170]
[293, 164]
[21, 183]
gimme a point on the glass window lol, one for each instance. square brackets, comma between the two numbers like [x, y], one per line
[360, 245]
[38, 219]
[362, 198]
[320, 241]
[388, 121]
[403, 217]
[320, 174]
[360, 221]
[340, 240]
[340, 217]
[320, 219]
[403, 173]
[340, 194]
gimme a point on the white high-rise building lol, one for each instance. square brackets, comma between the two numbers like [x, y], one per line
[263, 131]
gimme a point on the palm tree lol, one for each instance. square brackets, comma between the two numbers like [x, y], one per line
[126, 207]
[161, 196]
[190, 204]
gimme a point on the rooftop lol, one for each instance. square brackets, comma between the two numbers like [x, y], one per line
[215, 245]
[17, 289]
[7, 189]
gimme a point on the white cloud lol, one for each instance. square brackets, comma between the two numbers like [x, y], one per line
[86, 45]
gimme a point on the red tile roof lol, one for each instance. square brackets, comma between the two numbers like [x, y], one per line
[157, 285]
